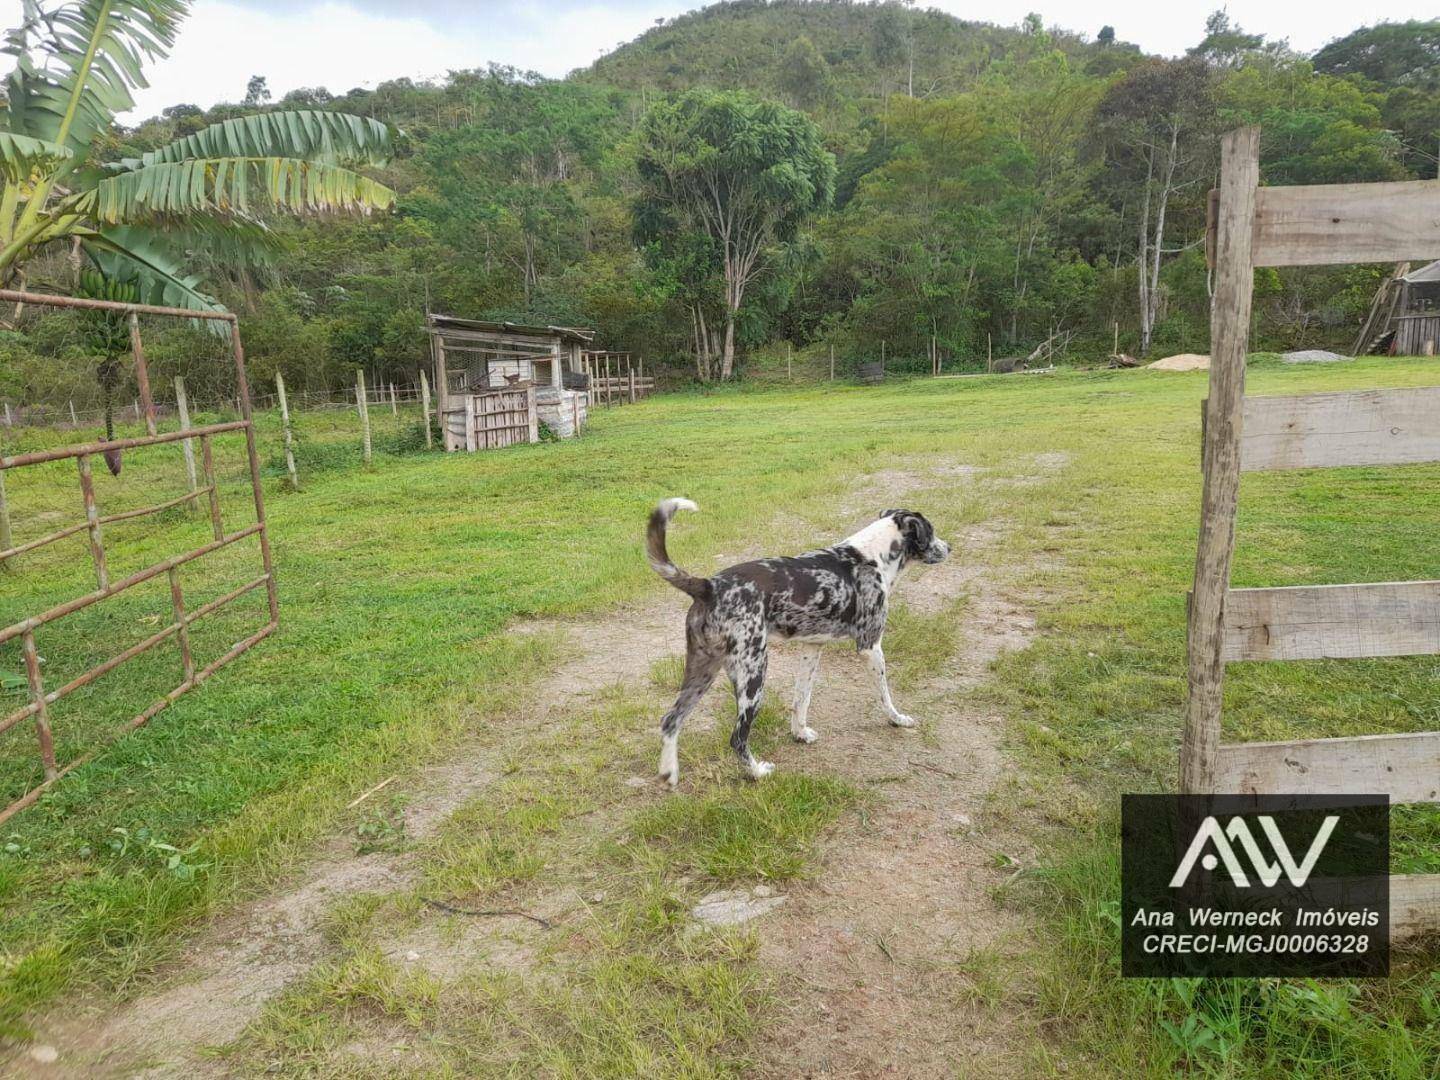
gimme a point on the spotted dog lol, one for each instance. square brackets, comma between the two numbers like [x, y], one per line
[838, 594]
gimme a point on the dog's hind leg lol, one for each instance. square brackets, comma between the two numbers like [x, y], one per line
[700, 671]
[804, 685]
[747, 662]
[875, 660]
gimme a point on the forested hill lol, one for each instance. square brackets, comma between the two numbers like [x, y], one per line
[993, 185]
[847, 56]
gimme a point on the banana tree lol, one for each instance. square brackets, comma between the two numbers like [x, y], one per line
[141, 219]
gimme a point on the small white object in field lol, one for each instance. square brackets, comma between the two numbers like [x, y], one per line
[731, 907]
[1182, 362]
[44, 1053]
[1312, 356]
[963, 820]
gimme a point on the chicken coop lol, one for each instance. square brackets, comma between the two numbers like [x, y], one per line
[496, 382]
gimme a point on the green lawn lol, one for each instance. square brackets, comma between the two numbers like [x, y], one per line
[396, 585]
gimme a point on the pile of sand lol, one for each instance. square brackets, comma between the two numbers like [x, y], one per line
[1312, 356]
[1183, 362]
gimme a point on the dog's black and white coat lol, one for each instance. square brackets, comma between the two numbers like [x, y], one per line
[838, 594]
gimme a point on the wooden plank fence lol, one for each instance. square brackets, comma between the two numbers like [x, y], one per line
[1252, 226]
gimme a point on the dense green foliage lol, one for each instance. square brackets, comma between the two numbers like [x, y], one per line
[993, 184]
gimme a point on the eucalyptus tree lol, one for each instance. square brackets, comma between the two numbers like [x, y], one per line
[142, 220]
[740, 171]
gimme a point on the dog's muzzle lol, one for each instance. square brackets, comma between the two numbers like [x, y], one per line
[938, 551]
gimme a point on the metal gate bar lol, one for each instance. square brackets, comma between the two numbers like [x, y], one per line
[179, 628]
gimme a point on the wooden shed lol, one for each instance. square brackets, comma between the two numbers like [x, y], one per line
[1417, 326]
[1404, 319]
[497, 381]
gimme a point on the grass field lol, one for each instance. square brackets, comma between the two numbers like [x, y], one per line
[397, 582]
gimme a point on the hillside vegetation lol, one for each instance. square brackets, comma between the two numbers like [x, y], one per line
[995, 187]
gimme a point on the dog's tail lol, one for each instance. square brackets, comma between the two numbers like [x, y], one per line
[660, 558]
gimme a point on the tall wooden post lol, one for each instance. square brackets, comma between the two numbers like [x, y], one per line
[832, 363]
[609, 383]
[425, 409]
[394, 404]
[7, 541]
[364, 407]
[1224, 413]
[142, 375]
[182, 403]
[74, 420]
[285, 429]
[631, 371]
[789, 371]
[642, 376]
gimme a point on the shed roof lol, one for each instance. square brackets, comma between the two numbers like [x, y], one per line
[1425, 273]
[442, 323]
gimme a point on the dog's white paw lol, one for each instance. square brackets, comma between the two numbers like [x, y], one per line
[805, 735]
[669, 763]
[758, 770]
[901, 720]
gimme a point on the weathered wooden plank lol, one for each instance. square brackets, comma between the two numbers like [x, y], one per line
[1367, 427]
[1414, 904]
[1405, 767]
[1314, 622]
[1224, 419]
[1325, 224]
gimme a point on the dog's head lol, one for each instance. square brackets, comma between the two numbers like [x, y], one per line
[918, 537]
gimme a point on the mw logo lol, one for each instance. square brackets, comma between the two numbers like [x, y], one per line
[1238, 831]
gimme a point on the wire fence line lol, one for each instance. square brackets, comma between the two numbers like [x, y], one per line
[15, 414]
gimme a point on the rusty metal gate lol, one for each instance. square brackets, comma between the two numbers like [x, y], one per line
[94, 521]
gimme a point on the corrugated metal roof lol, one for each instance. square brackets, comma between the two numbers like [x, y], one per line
[1425, 273]
[569, 333]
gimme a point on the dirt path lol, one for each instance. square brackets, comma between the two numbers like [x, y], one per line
[886, 959]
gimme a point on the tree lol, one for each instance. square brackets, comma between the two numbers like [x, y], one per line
[1156, 128]
[743, 172]
[141, 219]
[805, 76]
[257, 92]
[1225, 43]
[1106, 37]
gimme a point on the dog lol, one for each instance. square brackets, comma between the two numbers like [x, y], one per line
[838, 594]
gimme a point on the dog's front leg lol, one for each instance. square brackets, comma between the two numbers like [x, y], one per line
[875, 659]
[804, 685]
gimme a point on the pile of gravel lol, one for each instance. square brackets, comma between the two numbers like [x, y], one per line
[1312, 356]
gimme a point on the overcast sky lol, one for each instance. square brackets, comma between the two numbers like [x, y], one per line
[341, 44]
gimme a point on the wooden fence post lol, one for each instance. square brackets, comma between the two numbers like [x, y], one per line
[1229, 334]
[182, 403]
[8, 422]
[6, 540]
[285, 429]
[142, 375]
[74, 420]
[832, 363]
[394, 405]
[364, 411]
[631, 372]
[789, 371]
[642, 376]
[425, 408]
